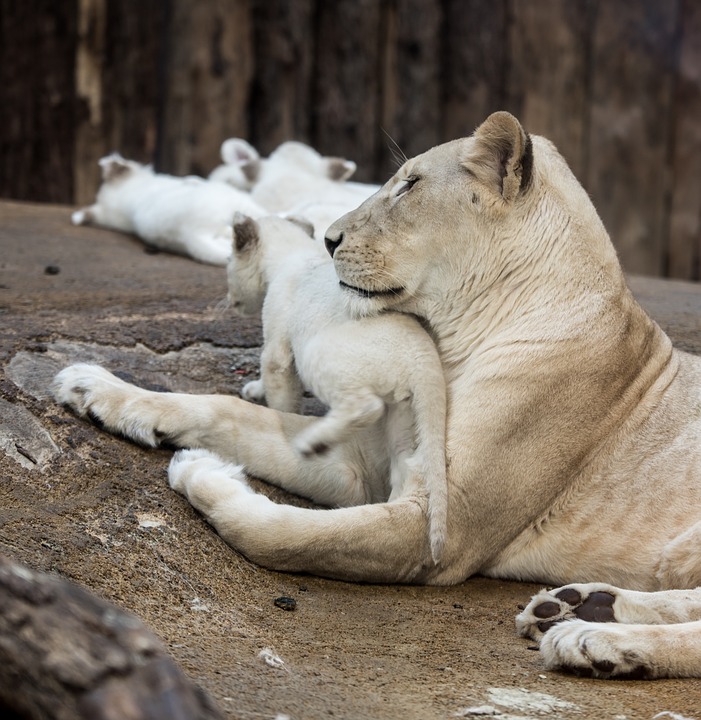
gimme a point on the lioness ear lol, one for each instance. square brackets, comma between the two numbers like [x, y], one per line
[246, 233]
[502, 155]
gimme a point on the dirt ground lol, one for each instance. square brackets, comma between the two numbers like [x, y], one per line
[97, 509]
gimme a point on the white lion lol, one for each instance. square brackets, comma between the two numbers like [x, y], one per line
[573, 427]
[361, 369]
[185, 215]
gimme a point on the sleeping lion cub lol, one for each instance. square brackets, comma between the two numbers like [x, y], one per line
[361, 369]
[573, 435]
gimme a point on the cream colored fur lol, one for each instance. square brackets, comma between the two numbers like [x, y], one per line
[573, 429]
[381, 370]
[185, 215]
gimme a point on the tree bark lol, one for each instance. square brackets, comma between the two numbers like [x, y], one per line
[65, 653]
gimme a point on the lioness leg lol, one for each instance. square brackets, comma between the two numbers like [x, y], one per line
[384, 542]
[645, 651]
[602, 603]
[236, 430]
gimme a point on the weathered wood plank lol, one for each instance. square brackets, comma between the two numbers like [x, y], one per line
[208, 71]
[628, 144]
[37, 99]
[412, 78]
[474, 64]
[684, 246]
[284, 45]
[345, 109]
[547, 86]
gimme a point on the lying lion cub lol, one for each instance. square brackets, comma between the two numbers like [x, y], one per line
[359, 368]
[186, 215]
[573, 434]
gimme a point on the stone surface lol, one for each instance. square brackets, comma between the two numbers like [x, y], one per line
[97, 509]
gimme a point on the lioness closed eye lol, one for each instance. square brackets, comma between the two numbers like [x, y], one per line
[572, 422]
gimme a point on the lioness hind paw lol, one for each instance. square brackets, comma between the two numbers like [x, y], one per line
[600, 651]
[548, 608]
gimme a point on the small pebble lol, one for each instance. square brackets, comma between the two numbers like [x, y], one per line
[52, 270]
[286, 603]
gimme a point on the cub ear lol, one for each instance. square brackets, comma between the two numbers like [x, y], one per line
[114, 166]
[251, 169]
[246, 232]
[237, 151]
[502, 155]
[302, 223]
[339, 169]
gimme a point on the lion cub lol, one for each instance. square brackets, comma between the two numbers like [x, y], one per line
[186, 215]
[361, 369]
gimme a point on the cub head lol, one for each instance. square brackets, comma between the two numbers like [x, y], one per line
[114, 168]
[293, 155]
[258, 248]
[442, 221]
[241, 166]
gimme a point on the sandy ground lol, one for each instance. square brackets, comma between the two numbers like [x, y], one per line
[96, 509]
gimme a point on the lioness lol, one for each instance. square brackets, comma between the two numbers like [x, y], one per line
[573, 431]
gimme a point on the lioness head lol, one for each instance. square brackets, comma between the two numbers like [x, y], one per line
[457, 220]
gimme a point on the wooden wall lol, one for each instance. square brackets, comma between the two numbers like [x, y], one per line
[616, 84]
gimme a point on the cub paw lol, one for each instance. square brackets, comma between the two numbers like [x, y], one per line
[83, 216]
[307, 447]
[254, 391]
[593, 602]
[595, 651]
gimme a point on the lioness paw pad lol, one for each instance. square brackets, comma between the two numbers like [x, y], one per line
[593, 603]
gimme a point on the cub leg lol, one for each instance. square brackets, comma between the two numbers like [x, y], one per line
[680, 564]
[210, 249]
[384, 542]
[86, 215]
[239, 431]
[282, 387]
[599, 602]
[343, 420]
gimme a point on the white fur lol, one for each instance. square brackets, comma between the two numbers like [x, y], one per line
[240, 164]
[359, 368]
[186, 215]
[295, 179]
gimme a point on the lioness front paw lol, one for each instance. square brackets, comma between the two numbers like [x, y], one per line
[92, 391]
[593, 602]
[606, 651]
[79, 386]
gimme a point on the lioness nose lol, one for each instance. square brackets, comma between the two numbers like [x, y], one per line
[333, 243]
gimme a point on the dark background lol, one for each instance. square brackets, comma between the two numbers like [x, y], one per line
[616, 84]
